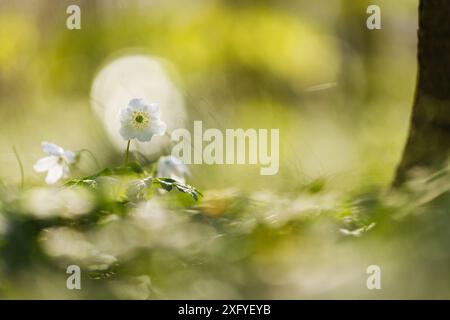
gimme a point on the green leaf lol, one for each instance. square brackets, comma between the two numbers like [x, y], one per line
[132, 167]
[168, 184]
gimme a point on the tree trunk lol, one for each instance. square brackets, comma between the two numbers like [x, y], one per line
[428, 144]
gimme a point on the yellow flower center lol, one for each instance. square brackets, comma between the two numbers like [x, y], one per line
[140, 119]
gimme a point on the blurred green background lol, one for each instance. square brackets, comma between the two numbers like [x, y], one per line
[339, 93]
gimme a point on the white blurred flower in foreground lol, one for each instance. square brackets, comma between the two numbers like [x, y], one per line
[64, 242]
[56, 163]
[69, 203]
[172, 167]
[139, 188]
[141, 121]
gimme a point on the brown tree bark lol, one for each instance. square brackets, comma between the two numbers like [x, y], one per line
[428, 144]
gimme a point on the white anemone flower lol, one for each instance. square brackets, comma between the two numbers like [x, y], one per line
[172, 167]
[141, 120]
[56, 163]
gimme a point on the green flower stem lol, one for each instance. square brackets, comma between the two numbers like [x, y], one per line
[127, 153]
[22, 176]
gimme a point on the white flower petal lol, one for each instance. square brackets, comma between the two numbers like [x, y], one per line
[52, 149]
[126, 115]
[153, 111]
[45, 164]
[145, 135]
[66, 171]
[69, 156]
[158, 127]
[137, 104]
[128, 132]
[180, 168]
[54, 174]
